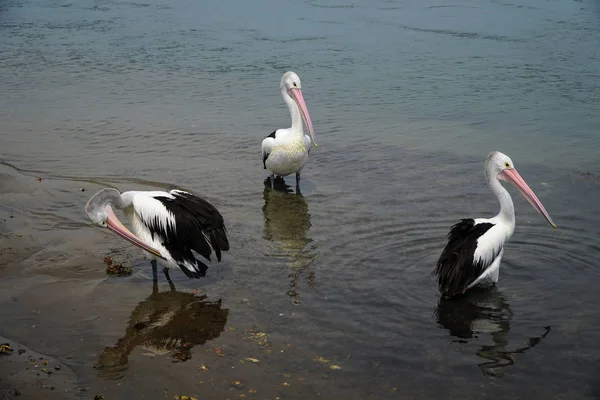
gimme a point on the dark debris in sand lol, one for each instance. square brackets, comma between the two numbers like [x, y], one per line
[30, 375]
[116, 269]
[5, 349]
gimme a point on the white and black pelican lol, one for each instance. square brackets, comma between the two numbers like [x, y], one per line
[475, 246]
[285, 151]
[168, 226]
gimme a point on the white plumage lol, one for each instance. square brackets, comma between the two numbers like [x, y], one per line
[285, 151]
[475, 247]
[174, 228]
[147, 208]
[491, 242]
[148, 211]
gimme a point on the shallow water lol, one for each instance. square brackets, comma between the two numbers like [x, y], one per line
[407, 99]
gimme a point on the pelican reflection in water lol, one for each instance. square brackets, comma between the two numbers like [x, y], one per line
[287, 223]
[484, 311]
[169, 322]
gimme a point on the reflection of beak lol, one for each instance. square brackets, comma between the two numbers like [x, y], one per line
[113, 223]
[512, 176]
[299, 99]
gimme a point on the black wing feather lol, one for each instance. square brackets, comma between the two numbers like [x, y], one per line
[456, 268]
[199, 225]
[266, 155]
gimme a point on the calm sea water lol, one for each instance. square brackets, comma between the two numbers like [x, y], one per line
[407, 98]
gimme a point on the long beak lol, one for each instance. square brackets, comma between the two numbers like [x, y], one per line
[299, 99]
[512, 176]
[117, 227]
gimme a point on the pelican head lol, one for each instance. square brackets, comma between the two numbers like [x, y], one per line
[499, 166]
[100, 212]
[97, 206]
[290, 85]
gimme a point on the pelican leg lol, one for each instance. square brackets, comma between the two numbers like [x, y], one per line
[297, 178]
[272, 178]
[166, 272]
[154, 275]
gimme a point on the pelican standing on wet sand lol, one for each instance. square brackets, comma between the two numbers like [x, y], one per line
[285, 151]
[168, 226]
[475, 246]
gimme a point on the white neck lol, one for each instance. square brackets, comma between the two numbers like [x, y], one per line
[507, 208]
[296, 128]
[124, 200]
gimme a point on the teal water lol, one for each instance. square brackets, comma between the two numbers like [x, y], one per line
[407, 99]
[449, 76]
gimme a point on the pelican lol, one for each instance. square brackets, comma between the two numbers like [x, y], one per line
[168, 226]
[475, 246]
[285, 151]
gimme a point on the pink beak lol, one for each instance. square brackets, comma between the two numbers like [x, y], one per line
[117, 227]
[299, 99]
[512, 176]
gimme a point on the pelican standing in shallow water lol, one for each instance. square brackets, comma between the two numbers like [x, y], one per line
[285, 151]
[168, 226]
[475, 246]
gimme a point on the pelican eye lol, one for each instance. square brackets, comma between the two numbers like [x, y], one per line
[295, 84]
[507, 164]
[103, 223]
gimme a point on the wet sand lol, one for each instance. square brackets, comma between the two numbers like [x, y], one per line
[218, 337]
[120, 337]
[31, 375]
[407, 98]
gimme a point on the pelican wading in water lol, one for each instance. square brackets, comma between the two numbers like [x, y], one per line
[285, 151]
[169, 227]
[475, 246]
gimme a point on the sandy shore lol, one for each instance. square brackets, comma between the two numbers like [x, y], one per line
[27, 374]
[119, 337]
